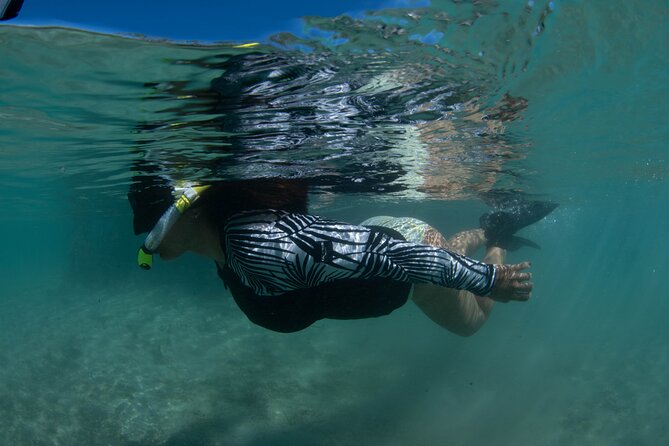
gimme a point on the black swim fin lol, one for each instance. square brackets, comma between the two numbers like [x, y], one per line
[518, 242]
[501, 224]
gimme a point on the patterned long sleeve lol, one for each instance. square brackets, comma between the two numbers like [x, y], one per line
[274, 252]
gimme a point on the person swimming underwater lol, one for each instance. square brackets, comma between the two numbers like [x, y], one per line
[287, 269]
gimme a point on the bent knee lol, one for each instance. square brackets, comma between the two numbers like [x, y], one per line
[464, 330]
[456, 311]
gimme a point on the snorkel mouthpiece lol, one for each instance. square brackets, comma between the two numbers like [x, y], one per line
[144, 258]
[188, 196]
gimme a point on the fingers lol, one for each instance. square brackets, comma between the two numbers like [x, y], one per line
[522, 286]
[520, 266]
[522, 290]
[507, 273]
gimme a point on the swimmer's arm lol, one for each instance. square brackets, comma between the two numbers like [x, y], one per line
[429, 264]
[274, 252]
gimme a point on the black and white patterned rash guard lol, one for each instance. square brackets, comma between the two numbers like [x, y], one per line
[275, 252]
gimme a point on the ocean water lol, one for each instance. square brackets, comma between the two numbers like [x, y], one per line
[424, 111]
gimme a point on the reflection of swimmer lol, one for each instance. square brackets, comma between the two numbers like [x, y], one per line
[454, 147]
[466, 155]
[287, 269]
[401, 131]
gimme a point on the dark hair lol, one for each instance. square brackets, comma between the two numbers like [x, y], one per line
[224, 199]
[151, 196]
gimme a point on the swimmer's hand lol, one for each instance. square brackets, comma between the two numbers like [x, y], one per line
[511, 283]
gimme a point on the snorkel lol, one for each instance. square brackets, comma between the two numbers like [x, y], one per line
[188, 196]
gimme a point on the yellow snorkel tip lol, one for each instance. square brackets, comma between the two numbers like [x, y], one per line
[247, 45]
[144, 258]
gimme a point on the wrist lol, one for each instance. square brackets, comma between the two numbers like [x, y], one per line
[493, 274]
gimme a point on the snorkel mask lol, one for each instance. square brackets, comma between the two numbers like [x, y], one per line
[186, 196]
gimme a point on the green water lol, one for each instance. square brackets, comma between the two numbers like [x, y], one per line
[96, 351]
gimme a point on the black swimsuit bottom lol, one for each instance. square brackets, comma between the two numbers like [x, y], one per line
[342, 299]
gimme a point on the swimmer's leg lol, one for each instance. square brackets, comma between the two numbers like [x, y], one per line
[458, 311]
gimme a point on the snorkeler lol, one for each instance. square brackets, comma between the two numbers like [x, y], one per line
[9, 9]
[286, 269]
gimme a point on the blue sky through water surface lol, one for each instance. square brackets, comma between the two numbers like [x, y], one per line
[204, 20]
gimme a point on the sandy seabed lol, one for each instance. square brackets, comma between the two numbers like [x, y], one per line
[166, 367]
